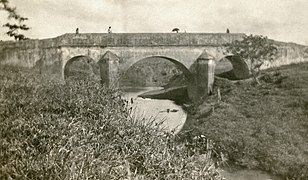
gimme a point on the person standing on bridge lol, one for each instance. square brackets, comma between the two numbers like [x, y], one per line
[228, 31]
[77, 31]
[109, 29]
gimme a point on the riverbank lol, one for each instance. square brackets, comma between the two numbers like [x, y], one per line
[177, 94]
[259, 127]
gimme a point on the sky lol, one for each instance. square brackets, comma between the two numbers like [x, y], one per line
[283, 20]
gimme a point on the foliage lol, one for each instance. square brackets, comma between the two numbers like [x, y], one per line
[255, 50]
[261, 127]
[81, 130]
[14, 28]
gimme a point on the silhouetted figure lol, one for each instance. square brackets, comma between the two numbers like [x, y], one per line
[77, 31]
[175, 30]
[109, 29]
[228, 31]
[131, 101]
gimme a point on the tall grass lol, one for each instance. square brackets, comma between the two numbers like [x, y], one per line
[82, 130]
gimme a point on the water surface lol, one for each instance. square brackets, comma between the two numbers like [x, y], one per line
[171, 115]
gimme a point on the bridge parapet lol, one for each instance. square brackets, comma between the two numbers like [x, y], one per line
[126, 40]
[149, 39]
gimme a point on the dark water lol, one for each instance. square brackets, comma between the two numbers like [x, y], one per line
[173, 121]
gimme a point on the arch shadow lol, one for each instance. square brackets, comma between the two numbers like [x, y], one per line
[81, 67]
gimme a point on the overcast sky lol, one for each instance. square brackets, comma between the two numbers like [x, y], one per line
[284, 20]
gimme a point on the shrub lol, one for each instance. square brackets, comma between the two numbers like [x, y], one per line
[255, 50]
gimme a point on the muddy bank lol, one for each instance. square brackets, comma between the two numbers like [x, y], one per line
[177, 94]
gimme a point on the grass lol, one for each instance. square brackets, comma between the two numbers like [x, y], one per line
[82, 130]
[260, 127]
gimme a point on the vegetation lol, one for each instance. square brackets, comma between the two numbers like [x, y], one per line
[19, 25]
[263, 127]
[81, 130]
[255, 50]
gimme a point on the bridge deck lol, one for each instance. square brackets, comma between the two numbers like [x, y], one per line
[128, 39]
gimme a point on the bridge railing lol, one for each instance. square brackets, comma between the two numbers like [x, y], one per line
[149, 39]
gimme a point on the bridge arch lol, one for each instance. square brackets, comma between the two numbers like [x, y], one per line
[180, 66]
[232, 67]
[81, 67]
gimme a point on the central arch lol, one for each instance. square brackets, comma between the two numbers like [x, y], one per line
[178, 65]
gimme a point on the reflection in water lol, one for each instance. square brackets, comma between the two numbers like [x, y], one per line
[171, 116]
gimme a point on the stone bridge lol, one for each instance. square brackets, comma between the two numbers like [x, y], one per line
[196, 54]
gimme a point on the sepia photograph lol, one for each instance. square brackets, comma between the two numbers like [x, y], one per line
[154, 89]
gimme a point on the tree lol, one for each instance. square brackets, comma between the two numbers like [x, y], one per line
[255, 50]
[14, 28]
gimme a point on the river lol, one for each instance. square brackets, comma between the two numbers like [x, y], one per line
[174, 120]
[171, 116]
